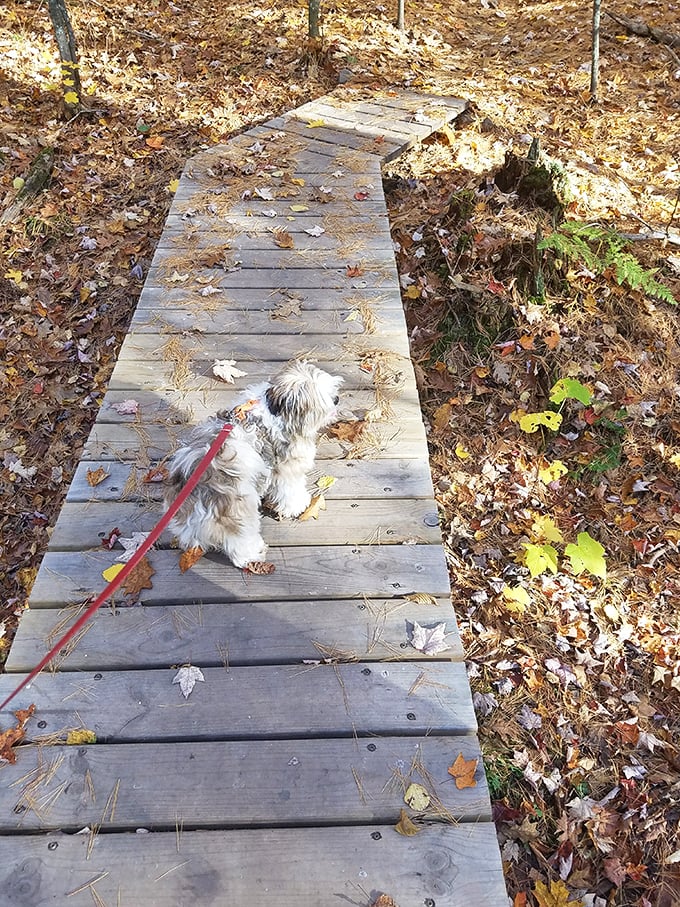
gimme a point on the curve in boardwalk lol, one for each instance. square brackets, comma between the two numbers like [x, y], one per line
[281, 778]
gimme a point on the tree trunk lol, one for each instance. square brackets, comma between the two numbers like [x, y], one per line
[595, 60]
[400, 15]
[314, 16]
[68, 51]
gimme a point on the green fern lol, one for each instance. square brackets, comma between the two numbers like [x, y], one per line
[600, 249]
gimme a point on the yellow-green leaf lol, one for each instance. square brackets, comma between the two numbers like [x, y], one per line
[324, 482]
[570, 389]
[516, 599]
[544, 527]
[80, 737]
[173, 186]
[314, 123]
[298, 208]
[552, 472]
[18, 182]
[14, 275]
[533, 421]
[587, 554]
[71, 97]
[539, 558]
[417, 797]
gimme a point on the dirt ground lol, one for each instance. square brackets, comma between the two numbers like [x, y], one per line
[562, 540]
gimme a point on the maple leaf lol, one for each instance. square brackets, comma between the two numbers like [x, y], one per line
[286, 309]
[96, 476]
[417, 797]
[429, 640]
[405, 826]
[587, 554]
[226, 370]
[463, 770]
[317, 504]
[544, 527]
[126, 407]
[259, 568]
[12, 736]
[187, 677]
[569, 389]
[155, 474]
[190, 557]
[539, 558]
[555, 896]
[552, 472]
[347, 431]
[140, 578]
[131, 545]
[516, 599]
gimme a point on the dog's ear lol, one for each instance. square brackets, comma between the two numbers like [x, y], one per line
[274, 401]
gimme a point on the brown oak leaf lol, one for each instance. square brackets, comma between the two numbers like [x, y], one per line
[140, 578]
[347, 431]
[96, 476]
[260, 568]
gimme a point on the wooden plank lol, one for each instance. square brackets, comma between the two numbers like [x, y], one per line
[339, 145]
[305, 867]
[259, 236]
[371, 123]
[320, 347]
[233, 784]
[244, 633]
[165, 371]
[211, 218]
[144, 443]
[363, 699]
[301, 574]
[262, 299]
[292, 278]
[386, 522]
[212, 316]
[356, 480]
[168, 263]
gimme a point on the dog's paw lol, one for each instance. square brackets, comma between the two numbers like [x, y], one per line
[293, 507]
[242, 554]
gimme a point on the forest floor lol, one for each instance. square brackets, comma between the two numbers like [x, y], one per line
[562, 536]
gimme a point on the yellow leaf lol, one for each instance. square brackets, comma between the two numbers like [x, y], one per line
[323, 483]
[314, 123]
[516, 599]
[461, 452]
[555, 896]
[77, 738]
[297, 181]
[417, 797]
[112, 572]
[413, 292]
[298, 208]
[552, 472]
[71, 97]
[317, 504]
[173, 186]
[532, 421]
[544, 527]
[420, 598]
[16, 276]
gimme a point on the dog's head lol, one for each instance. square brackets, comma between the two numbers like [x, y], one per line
[304, 397]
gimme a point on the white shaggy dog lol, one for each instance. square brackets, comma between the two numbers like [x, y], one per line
[266, 458]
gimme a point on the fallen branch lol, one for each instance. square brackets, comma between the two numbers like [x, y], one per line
[640, 28]
[38, 177]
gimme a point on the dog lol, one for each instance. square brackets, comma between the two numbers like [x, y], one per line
[265, 459]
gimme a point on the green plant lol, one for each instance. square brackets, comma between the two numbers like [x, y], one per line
[601, 249]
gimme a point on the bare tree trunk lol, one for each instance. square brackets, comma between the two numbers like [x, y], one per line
[400, 15]
[595, 60]
[68, 51]
[314, 16]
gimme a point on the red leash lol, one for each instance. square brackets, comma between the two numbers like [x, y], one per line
[153, 537]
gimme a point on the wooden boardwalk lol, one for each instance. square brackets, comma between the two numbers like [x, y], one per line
[280, 780]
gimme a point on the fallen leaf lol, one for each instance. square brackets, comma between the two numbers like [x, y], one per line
[384, 900]
[155, 142]
[552, 472]
[140, 578]
[463, 770]
[12, 736]
[317, 504]
[155, 474]
[429, 640]
[80, 737]
[323, 483]
[555, 896]
[190, 557]
[132, 544]
[516, 599]
[226, 370]
[587, 554]
[417, 797]
[286, 309]
[187, 677]
[441, 417]
[316, 230]
[314, 124]
[96, 476]
[298, 209]
[260, 568]
[173, 186]
[283, 239]
[112, 572]
[354, 271]
[406, 826]
[531, 422]
[412, 292]
[126, 407]
[347, 431]
[420, 598]
[361, 196]
[110, 540]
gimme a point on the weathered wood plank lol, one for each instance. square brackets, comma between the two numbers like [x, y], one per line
[414, 699]
[337, 143]
[179, 266]
[171, 371]
[371, 124]
[305, 867]
[356, 480]
[301, 574]
[320, 347]
[265, 299]
[340, 226]
[242, 633]
[212, 316]
[234, 783]
[259, 236]
[384, 522]
[143, 443]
